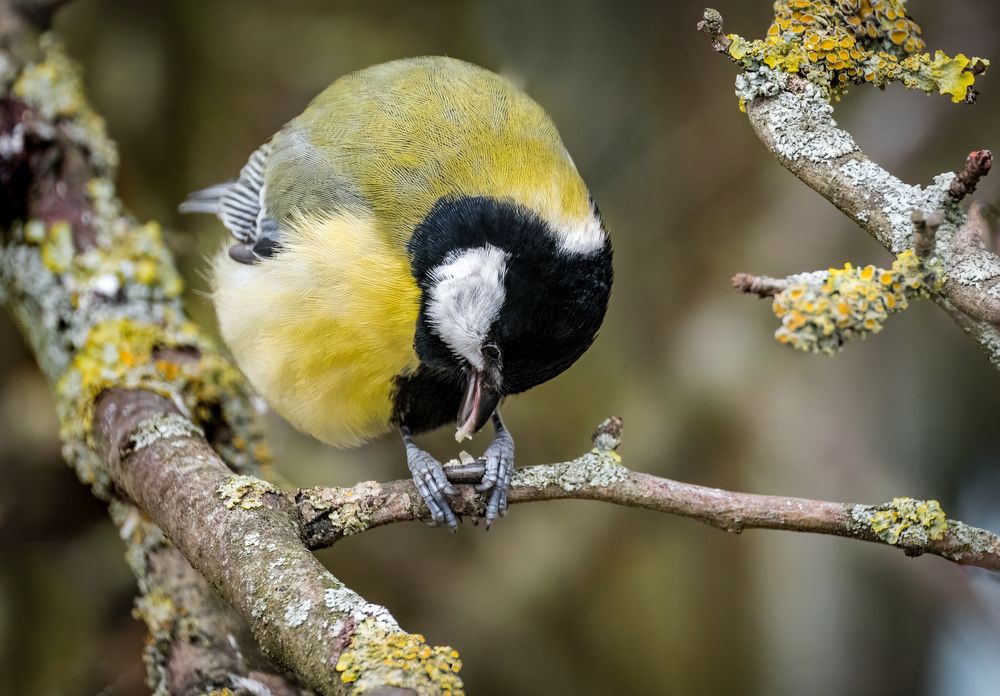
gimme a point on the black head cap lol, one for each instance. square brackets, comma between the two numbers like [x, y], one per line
[555, 300]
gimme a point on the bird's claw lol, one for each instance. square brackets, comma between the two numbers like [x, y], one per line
[499, 461]
[432, 485]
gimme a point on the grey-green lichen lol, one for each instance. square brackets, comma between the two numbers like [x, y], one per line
[345, 601]
[904, 522]
[99, 297]
[349, 510]
[800, 123]
[162, 426]
[297, 613]
[246, 492]
[378, 656]
[897, 200]
[53, 87]
[596, 469]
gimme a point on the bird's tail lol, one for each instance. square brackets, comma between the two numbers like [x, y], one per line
[207, 200]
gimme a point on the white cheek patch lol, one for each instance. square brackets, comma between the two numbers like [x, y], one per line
[466, 295]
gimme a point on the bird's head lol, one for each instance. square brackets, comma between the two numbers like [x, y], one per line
[508, 299]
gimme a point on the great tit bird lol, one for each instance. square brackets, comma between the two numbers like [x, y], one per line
[417, 243]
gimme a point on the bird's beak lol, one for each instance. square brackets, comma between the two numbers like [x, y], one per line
[478, 405]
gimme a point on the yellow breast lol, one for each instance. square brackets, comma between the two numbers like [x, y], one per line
[324, 327]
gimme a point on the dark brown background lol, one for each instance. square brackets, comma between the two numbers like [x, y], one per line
[575, 597]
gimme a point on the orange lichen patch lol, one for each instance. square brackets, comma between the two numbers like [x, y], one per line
[820, 312]
[844, 42]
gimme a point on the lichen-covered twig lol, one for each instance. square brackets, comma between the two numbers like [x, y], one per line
[915, 526]
[785, 88]
[155, 420]
[823, 310]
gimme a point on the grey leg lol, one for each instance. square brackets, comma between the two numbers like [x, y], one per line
[431, 483]
[499, 458]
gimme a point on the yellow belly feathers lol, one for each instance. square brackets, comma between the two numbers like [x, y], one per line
[323, 327]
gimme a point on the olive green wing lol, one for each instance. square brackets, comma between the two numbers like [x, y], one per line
[392, 139]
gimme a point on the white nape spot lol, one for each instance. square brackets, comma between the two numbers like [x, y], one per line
[586, 238]
[465, 298]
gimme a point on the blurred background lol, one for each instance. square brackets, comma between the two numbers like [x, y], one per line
[575, 597]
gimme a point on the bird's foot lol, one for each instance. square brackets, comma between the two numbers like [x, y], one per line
[499, 461]
[432, 484]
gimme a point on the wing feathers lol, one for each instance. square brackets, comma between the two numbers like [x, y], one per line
[239, 204]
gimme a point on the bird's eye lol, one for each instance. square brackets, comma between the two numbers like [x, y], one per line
[491, 351]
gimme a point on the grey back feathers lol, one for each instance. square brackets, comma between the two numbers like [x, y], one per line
[239, 204]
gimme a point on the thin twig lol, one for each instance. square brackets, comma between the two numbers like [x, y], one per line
[977, 165]
[329, 514]
[762, 286]
[925, 230]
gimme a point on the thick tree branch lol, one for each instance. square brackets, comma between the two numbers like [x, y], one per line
[243, 536]
[155, 420]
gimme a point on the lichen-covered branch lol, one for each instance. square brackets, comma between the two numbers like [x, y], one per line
[915, 526]
[785, 88]
[243, 535]
[154, 419]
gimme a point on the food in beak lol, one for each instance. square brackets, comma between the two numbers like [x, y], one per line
[478, 405]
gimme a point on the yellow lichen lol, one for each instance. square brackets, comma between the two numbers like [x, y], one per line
[379, 656]
[821, 312]
[130, 262]
[906, 520]
[838, 43]
[952, 75]
[54, 88]
[246, 492]
[57, 247]
[158, 611]
[129, 253]
[121, 352]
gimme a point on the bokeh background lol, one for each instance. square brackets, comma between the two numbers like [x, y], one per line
[575, 597]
